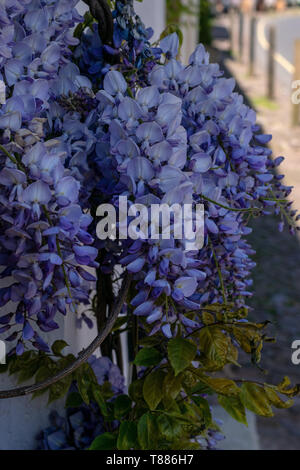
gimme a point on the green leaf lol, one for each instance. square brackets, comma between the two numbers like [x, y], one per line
[74, 400]
[169, 426]
[234, 407]
[181, 352]
[172, 385]
[58, 346]
[29, 370]
[106, 441]
[122, 406]
[255, 399]
[127, 438]
[136, 390]
[203, 409]
[59, 389]
[153, 388]
[148, 357]
[84, 382]
[100, 400]
[43, 373]
[192, 414]
[147, 432]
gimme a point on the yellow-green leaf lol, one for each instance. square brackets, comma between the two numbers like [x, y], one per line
[234, 407]
[254, 398]
[222, 386]
[214, 345]
[207, 318]
[276, 400]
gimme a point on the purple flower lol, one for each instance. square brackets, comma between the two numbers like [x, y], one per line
[170, 45]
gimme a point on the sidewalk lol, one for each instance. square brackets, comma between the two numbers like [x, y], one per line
[277, 275]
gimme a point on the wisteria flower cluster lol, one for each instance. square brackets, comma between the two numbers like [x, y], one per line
[186, 137]
[44, 238]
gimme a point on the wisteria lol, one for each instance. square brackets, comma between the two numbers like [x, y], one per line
[84, 123]
[156, 131]
[44, 238]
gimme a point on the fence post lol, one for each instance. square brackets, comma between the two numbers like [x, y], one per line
[271, 65]
[252, 45]
[241, 35]
[296, 102]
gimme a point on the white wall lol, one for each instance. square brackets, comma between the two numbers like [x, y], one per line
[153, 13]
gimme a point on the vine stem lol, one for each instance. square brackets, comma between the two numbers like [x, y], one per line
[83, 355]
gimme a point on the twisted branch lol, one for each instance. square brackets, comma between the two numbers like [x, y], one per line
[102, 13]
[83, 356]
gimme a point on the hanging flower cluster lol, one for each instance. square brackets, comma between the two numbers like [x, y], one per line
[149, 128]
[44, 239]
[186, 137]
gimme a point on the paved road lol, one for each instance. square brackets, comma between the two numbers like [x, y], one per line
[287, 31]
